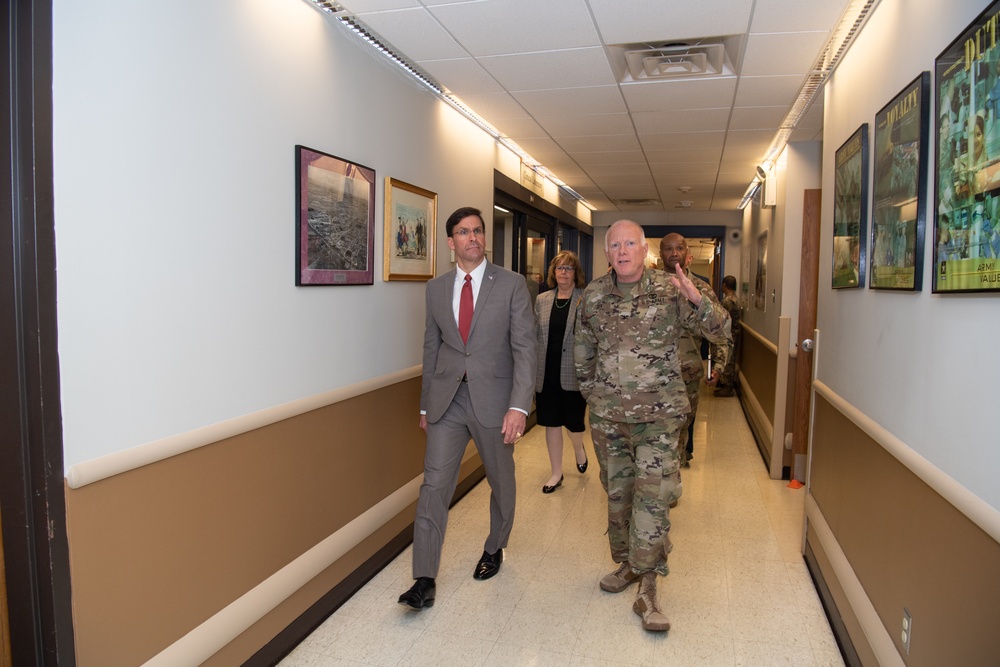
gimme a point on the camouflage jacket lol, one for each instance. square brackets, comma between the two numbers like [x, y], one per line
[692, 369]
[732, 306]
[626, 347]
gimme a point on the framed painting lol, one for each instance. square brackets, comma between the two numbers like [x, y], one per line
[967, 178]
[410, 232]
[850, 210]
[899, 193]
[335, 220]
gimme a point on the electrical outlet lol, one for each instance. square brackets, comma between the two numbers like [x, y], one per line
[907, 630]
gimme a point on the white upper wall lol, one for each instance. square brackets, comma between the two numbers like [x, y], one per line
[175, 128]
[921, 365]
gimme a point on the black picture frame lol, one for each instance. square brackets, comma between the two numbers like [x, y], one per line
[967, 176]
[850, 211]
[334, 221]
[899, 190]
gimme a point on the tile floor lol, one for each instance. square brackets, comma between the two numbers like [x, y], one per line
[738, 592]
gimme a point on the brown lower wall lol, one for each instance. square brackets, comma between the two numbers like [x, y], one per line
[759, 366]
[156, 551]
[907, 545]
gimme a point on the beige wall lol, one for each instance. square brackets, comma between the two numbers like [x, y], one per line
[907, 545]
[157, 551]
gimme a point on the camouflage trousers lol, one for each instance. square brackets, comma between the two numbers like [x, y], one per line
[640, 473]
[728, 376]
[686, 441]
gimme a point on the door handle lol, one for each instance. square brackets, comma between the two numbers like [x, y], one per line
[807, 345]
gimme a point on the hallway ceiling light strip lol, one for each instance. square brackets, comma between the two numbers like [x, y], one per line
[337, 11]
[841, 38]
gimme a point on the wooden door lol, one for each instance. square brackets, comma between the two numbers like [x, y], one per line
[806, 326]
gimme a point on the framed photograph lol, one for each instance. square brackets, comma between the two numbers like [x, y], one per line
[760, 277]
[335, 220]
[899, 193]
[967, 178]
[410, 232]
[850, 210]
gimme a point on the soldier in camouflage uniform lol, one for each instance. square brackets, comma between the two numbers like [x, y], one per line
[674, 251]
[727, 383]
[628, 329]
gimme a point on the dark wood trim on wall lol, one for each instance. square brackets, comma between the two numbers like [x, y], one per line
[31, 477]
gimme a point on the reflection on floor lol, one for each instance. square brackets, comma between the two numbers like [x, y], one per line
[738, 592]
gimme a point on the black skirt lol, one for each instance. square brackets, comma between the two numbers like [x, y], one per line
[555, 406]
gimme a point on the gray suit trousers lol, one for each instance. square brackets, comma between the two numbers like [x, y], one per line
[446, 442]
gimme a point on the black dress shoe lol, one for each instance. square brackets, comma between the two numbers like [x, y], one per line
[488, 565]
[582, 467]
[420, 595]
[550, 489]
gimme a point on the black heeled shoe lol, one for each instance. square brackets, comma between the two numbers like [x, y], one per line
[582, 467]
[550, 489]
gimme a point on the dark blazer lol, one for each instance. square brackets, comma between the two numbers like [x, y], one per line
[543, 311]
[499, 359]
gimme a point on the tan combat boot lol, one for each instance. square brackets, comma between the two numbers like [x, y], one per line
[646, 605]
[620, 579]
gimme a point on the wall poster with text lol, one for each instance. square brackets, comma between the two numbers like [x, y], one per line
[967, 178]
[899, 195]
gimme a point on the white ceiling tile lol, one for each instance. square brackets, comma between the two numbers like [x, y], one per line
[760, 91]
[618, 173]
[684, 155]
[520, 127]
[415, 33]
[757, 118]
[572, 101]
[462, 76]
[600, 143]
[495, 106]
[657, 20]
[702, 120]
[573, 68]
[701, 170]
[782, 53]
[495, 27]
[612, 157]
[796, 15]
[576, 126]
[672, 140]
[364, 6]
[757, 139]
[680, 94]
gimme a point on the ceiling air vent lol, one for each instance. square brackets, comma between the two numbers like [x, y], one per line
[637, 202]
[647, 62]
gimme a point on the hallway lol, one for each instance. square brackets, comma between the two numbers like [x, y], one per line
[738, 592]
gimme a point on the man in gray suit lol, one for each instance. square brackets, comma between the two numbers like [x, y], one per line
[478, 382]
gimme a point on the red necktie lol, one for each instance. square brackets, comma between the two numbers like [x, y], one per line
[465, 309]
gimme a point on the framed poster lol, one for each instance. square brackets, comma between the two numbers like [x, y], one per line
[335, 220]
[899, 194]
[850, 210]
[410, 232]
[967, 178]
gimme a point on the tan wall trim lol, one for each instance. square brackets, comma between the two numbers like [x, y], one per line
[88, 472]
[760, 337]
[756, 411]
[864, 612]
[971, 505]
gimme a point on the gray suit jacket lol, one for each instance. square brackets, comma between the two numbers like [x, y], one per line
[499, 359]
[543, 311]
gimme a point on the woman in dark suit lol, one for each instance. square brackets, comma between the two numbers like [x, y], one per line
[558, 401]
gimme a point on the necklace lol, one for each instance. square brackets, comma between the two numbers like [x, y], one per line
[565, 302]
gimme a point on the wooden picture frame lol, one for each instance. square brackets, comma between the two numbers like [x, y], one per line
[850, 211]
[899, 192]
[410, 232]
[335, 220]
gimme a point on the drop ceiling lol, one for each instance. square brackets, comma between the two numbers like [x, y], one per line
[548, 74]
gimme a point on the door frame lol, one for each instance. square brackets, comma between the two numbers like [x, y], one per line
[32, 492]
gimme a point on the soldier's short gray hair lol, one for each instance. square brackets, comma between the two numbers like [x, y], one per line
[642, 232]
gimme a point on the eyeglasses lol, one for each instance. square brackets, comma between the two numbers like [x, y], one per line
[465, 231]
[564, 268]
